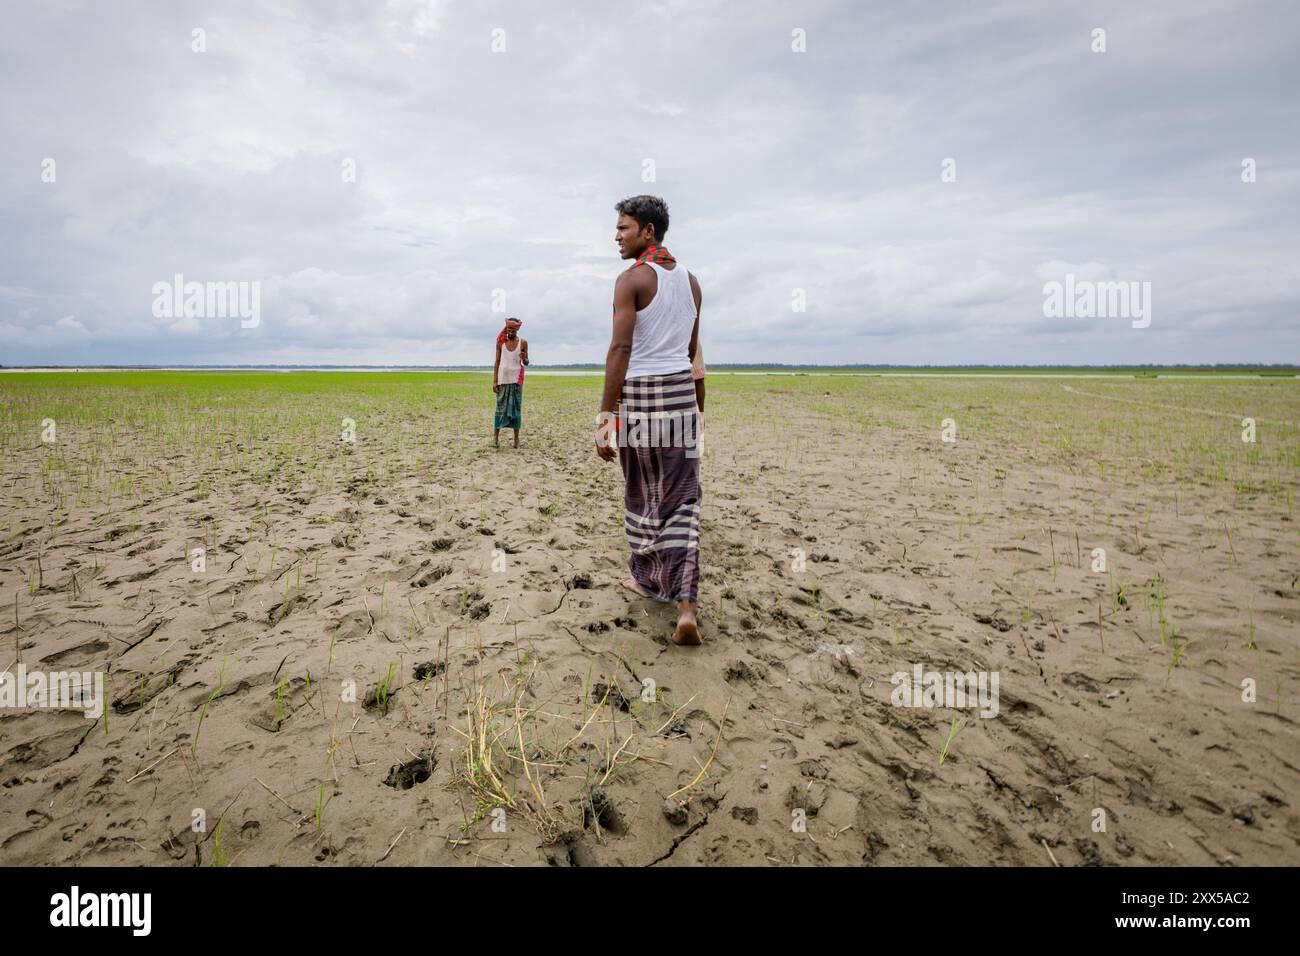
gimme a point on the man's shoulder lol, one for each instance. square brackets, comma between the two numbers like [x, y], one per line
[695, 284]
[634, 273]
[636, 279]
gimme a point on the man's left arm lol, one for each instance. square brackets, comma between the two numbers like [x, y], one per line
[695, 342]
[523, 353]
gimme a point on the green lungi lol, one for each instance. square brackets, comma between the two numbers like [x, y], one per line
[510, 406]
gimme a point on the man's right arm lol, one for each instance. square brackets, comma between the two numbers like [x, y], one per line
[496, 366]
[616, 361]
[620, 343]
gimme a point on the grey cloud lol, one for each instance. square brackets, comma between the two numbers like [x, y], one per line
[818, 171]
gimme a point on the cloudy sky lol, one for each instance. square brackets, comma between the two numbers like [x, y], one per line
[381, 169]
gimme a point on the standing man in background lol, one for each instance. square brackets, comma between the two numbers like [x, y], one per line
[648, 373]
[508, 381]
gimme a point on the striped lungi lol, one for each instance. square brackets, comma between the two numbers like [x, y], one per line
[659, 451]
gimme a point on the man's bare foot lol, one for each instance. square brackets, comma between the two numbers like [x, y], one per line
[632, 585]
[688, 630]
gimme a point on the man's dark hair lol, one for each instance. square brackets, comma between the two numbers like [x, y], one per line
[646, 210]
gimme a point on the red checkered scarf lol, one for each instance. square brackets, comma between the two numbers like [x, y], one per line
[501, 340]
[655, 253]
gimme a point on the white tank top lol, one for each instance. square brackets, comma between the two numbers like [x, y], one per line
[661, 339]
[508, 369]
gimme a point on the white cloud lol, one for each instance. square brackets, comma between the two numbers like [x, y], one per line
[70, 324]
[407, 22]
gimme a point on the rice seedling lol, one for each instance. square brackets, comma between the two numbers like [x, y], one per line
[221, 683]
[954, 729]
[279, 702]
[218, 853]
[383, 690]
[1160, 611]
[322, 800]
[1175, 656]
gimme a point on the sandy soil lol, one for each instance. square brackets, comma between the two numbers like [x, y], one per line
[488, 582]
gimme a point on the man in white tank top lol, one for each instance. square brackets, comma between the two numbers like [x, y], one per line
[508, 381]
[648, 378]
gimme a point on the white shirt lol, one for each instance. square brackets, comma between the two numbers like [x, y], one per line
[661, 339]
[508, 369]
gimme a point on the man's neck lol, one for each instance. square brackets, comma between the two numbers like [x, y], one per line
[655, 252]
